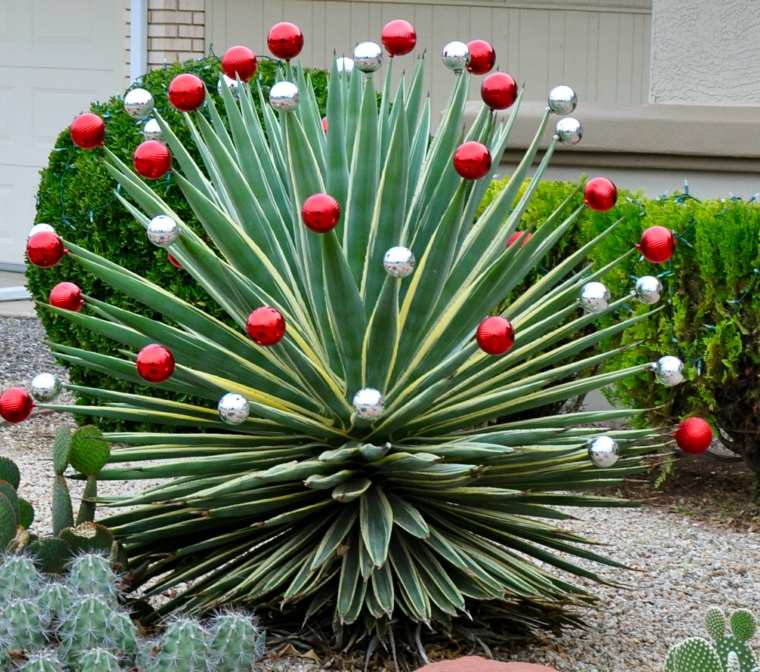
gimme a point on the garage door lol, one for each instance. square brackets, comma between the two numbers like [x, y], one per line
[55, 57]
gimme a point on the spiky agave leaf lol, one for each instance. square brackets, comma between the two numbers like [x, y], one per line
[444, 501]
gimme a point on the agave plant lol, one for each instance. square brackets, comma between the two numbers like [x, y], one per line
[374, 464]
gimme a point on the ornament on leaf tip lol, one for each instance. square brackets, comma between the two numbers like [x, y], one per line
[600, 194]
[285, 40]
[266, 326]
[15, 404]
[482, 57]
[455, 56]
[657, 244]
[45, 248]
[234, 408]
[472, 160]
[152, 130]
[668, 371]
[88, 131]
[239, 62]
[324, 125]
[569, 131]
[499, 91]
[173, 261]
[345, 64]
[562, 100]
[152, 159]
[398, 37]
[233, 85]
[595, 297]
[648, 289]
[39, 228]
[45, 387]
[320, 213]
[369, 403]
[67, 296]
[495, 335]
[525, 236]
[138, 103]
[155, 363]
[368, 56]
[283, 96]
[603, 452]
[694, 435]
[399, 262]
[162, 231]
[187, 92]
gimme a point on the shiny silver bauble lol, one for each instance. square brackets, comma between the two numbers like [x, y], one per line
[138, 103]
[399, 262]
[569, 131]
[562, 100]
[648, 289]
[234, 408]
[234, 85]
[595, 297]
[603, 452]
[152, 130]
[162, 231]
[669, 371]
[45, 387]
[368, 56]
[283, 96]
[369, 403]
[456, 56]
[39, 228]
[345, 64]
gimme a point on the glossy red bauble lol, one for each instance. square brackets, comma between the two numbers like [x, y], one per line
[657, 244]
[320, 212]
[498, 90]
[152, 159]
[495, 335]
[239, 61]
[398, 37]
[88, 131]
[525, 236]
[187, 92]
[472, 160]
[285, 40]
[482, 57]
[66, 295]
[266, 326]
[324, 125]
[694, 436]
[45, 249]
[155, 363]
[600, 194]
[15, 404]
[173, 261]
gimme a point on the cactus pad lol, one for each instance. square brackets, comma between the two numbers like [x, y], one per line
[61, 450]
[7, 522]
[10, 493]
[25, 513]
[88, 537]
[693, 655]
[743, 625]
[51, 553]
[89, 450]
[9, 472]
[63, 516]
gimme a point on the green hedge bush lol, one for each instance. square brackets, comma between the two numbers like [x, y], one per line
[76, 195]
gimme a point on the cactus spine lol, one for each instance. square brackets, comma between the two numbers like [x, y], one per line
[234, 643]
[182, 648]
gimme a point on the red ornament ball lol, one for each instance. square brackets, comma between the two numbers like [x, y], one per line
[694, 435]
[88, 131]
[15, 404]
[482, 57]
[398, 37]
[155, 363]
[526, 237]
[152, 159]
[187, 92]
[324, 125]
[266, 325]
[495, 335]
[45, 249]
[66, 295]
[320, 212]
[239, 61]
[498, 90]
[472, 160]
[285, 40]
[657, 244]
[173, 261]
[600, 194]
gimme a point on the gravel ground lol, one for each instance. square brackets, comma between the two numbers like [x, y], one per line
[685, 565]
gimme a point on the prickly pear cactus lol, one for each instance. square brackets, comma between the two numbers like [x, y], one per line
[693, 655]
[182, 648]
[234, 643]
[742, 629]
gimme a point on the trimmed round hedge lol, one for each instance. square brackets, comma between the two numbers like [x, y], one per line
[76, 195]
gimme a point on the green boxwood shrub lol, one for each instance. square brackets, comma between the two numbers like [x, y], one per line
[76, 195]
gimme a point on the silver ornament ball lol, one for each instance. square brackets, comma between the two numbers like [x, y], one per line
[45, 387]
[345, 64]
[234, 408]
[233, 85]
[399, 262]
[569, 131]
[603, 452]
[162, 231]
[39, 228]
[562, 100]
[669, 371]
[138, 103]
[368, 56]
[369, 403]
[595, 297]
[456, 56]
[152, 130]
[283, 96]
[648, 289]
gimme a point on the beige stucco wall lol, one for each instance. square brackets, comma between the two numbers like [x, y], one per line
[706, 52]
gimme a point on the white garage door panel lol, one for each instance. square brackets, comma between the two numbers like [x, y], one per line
[55, 57]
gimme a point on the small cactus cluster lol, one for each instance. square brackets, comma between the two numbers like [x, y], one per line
[75, 623]
[727, 652]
